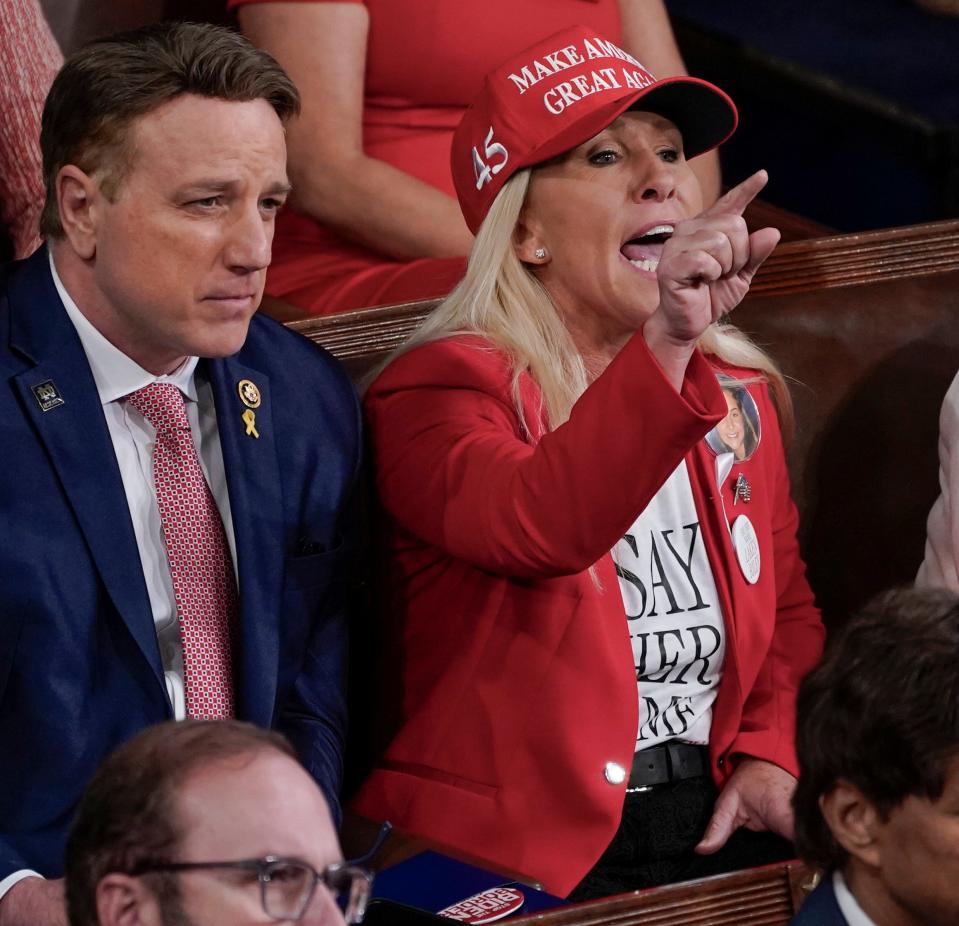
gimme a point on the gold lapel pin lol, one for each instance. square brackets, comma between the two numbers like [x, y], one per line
[250, 396]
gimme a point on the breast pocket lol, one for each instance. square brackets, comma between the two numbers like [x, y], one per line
[303, 573]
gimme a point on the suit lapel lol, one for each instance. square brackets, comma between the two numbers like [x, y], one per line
[253, 480]
[78, 443]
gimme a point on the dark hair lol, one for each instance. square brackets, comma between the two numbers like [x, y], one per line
[881, 711]
[128, 811]
[105, 86]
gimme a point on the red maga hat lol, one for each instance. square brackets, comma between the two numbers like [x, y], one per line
[558, 94]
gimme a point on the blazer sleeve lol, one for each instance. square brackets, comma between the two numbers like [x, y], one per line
[454, 468]
[768, 727]
[10, 860]
[314, 716]
[939, 568]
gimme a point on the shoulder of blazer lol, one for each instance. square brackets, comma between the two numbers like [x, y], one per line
[820, 908]
[298, 366]
[469, 362]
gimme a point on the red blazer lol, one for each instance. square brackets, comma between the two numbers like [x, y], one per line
[507, 672]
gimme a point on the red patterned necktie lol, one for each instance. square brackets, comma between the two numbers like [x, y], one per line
[204, 584]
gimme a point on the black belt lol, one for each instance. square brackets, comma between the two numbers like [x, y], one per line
[671, 761]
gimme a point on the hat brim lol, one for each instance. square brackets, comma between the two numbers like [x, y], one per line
[703, 113]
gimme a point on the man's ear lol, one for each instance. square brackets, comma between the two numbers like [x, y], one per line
[528, 242]
[854, 821]
[123, 900]
[79, 200]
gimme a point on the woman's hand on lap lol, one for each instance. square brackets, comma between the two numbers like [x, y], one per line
[758, 796]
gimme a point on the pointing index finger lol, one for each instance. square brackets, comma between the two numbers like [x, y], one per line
[734, 201]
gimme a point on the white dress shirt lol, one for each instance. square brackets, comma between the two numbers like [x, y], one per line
[848, 905]
[116, 376]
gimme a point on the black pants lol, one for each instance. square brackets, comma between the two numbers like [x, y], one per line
[655, 840]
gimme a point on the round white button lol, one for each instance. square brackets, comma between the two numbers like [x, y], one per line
[614, 773]
[746, 544]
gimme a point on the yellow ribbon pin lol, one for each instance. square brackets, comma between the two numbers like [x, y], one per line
[249, 419]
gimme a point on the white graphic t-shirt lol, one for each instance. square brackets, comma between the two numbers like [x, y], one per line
[675, 622]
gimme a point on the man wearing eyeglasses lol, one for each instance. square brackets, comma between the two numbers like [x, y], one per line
[204, 823]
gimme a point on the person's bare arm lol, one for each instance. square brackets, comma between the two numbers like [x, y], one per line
[648, 37]
[34, 902]
[323, 48]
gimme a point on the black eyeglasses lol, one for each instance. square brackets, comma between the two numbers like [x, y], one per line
[287, 885]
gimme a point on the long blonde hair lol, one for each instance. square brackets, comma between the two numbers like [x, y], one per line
[500, 299]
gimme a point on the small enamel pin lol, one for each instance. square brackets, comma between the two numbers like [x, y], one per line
[249, 394]
[742, 490]
[47, 395]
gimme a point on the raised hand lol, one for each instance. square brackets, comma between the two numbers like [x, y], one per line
[710, 260]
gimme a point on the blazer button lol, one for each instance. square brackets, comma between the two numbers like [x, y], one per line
[614, 773]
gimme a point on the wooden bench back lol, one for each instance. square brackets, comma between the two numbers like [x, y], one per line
[867, 327]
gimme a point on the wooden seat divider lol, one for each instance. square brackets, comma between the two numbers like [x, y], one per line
[767, 896]
[866, 325]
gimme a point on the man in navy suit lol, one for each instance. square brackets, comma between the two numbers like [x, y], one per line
[877, 802]
[183, 564]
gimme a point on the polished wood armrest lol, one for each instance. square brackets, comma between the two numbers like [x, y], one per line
[767, 896]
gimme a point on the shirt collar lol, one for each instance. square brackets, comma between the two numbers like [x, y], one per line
[854, 914]
[116, 375]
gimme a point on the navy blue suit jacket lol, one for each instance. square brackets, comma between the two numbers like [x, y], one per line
[80, 668]
[820, 907]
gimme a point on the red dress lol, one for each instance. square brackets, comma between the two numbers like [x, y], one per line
[29, 60]
[426, 60]
[508, 681]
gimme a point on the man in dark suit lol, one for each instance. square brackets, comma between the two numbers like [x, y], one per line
[877, 802]
[176, 472]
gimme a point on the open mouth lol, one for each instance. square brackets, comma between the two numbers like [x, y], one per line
[645, 250]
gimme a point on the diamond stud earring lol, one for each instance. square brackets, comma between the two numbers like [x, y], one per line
[540, 253]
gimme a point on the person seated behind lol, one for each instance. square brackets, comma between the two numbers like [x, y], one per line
[177, 470]
[593, 624]
[877, 736]
[940, 565]
[374, 217]
[204, 823]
